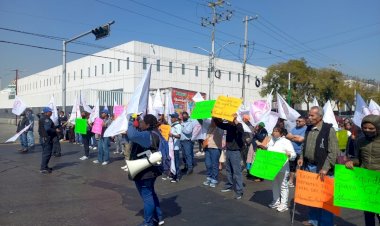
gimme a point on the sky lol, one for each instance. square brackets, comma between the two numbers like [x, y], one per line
[340, 34]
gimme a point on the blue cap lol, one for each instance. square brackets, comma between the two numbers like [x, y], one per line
[174, 115]
[46, 110]
[105, 111]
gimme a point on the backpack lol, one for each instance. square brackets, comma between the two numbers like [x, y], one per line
[164, 149]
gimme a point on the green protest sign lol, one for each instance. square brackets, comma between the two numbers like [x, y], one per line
[267, 164]
[357, 189]
[203, 109]
[81, 126]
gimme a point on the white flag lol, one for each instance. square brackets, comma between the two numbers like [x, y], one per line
[328, 115]
[259, 109]
[14, 138]
[158, 106]
[95, 111]
[150, 106]
[54, 115]
[75, 112]
[315, 102]
[118, 126]
[285, 111]
[169, 106]
[83, 103]
[105, 106]
[270, 121]
[374, 108]
[361, 110]
[139, 100]
[18, 106]
[198, 97]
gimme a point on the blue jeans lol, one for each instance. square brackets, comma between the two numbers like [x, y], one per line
[212, 156]
[233, 168]
[47, 149]
[187, 150]
[177, 163]
[152, 210]
[103, 149]
[319, 216]
[93, 141]
[78, 138]
[23, 140]
[30, 138]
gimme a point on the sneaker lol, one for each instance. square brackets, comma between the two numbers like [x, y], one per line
[94, 148]
[174, 181]
[226, 190]
[45, 171]
[238, 197]
[274, 205]
[199, 154]
[207, 183]
[83, 158]
[116, 152]
[105, 163]
[212, 185]
[291, 185]
[161, 222]
[96, 161]
[282, 208]
[90, 147]
[124, 167]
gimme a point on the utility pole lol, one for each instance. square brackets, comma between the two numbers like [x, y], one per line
[245, 20]
[216, 18]
[289, 91]
[16, 88]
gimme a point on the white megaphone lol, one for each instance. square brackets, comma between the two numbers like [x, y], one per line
[138, 165]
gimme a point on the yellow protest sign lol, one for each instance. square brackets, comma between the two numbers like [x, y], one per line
[226, 107]
[165, 130]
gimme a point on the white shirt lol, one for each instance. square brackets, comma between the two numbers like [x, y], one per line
[176, 129]
[282, 145]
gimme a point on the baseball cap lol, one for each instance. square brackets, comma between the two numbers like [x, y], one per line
[174, 115]
[46, 109]
[105, 111]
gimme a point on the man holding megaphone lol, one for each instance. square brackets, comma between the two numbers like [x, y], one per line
[142, 168]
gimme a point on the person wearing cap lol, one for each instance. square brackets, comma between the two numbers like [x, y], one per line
[175, 135]
[187, 145]
[47, 132]
[103, 143]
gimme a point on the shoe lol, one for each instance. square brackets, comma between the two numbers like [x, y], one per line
[116, 152]
[58, 155]
[161, 222]
[200, 154]
[25, 150]
[124, 167]
[83, 158]
[212, 185]
[226, 190]
[282, 208]
[96, 161]
[207, 183]
[94, 148]
[189, 172]
[274, 205]
[126, 170]
[291, 185]
[45, 171]
[238, 197]
[90, 147]
[105, 163]
[184, 170]
[174, 181]
[306, 223]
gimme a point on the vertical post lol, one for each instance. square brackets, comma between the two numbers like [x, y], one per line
[16, 88]
[212, 56]
[64, 77]
[289, 91]
[244, 58]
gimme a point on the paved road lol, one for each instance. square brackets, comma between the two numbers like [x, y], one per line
[82, 193]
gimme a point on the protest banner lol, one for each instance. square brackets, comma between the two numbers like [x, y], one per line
[203, 109]
[97, 126]
[18, 106]
[226, 107]
[267, 164]
[312, 191]
[14, 138]
[357, 189]
[165, 130]
[117, 110]
[81, 126]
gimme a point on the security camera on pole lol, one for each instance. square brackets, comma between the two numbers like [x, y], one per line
[100, 32]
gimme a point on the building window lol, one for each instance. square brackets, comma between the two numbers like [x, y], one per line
[59, 79]
[95, 70]
[183, 69]
[158, 65]
[248, 78]
[229, 76]
[81, 73]
[127, 63]
[102, 69]
[144, 63]
[118, 65]
[74, 76]
[50, 81]
[196, 71]
[208, 72]
[170, 67]
[89, 71]
[238, 77]
[110, 67]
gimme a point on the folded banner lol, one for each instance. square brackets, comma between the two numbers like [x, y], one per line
[81, 126]
[311, 191]
[202, 109]
[357, 189]
[14, 138]
[97, 126]
[267, 164]
[225, 107]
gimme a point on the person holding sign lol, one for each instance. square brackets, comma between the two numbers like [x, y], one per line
[47, 132]
[318, 155]
[280, 187]
[175, 135]
[86, 138]
[234, 144]
[368, 155]
[103, 144]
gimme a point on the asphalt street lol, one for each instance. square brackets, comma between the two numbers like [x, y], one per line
[82, 193]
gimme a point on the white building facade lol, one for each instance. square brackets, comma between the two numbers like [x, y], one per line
[112, 75]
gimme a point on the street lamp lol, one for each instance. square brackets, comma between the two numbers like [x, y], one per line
[212, 66]
[99, 32]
